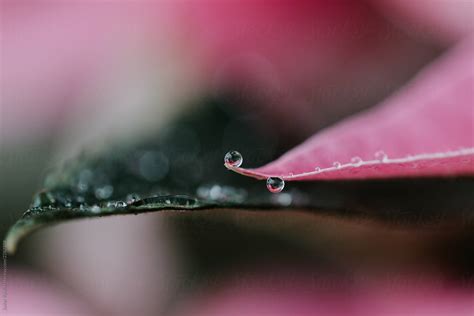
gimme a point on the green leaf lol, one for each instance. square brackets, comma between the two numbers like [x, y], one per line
[179, 169]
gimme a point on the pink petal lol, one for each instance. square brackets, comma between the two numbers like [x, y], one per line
[426, 129]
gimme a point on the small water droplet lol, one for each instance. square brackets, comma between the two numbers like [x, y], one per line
[337, 164]
[167, 202]
[290, 174]
[110, 204]
[116, 204]
[356, 161]
[132, 198]
[63, 200]
[120, 204]
[317, 169]
[381, 155]
[233, 159]
[275, 184]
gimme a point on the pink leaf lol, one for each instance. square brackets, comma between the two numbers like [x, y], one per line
[425, 129]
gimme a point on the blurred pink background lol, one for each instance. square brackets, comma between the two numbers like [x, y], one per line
[76, 73]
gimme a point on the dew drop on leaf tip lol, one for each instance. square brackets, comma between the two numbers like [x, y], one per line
[275, 184]
[233, 159]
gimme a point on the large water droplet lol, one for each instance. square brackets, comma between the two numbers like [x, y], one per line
[337, 164]
[233, 159]
[275, 184]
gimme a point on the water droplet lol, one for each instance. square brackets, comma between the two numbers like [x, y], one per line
[275, 184]
[317, 169]
[116, 204]
[104, 192]
[110, 204]
[120, 204]
[167, 202]
[132, 198]
[337, 164]
[233, 159]
[356, 161]
[381, 155]
[63, 200]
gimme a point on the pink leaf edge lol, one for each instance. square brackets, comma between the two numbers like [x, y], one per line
[426, 129]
